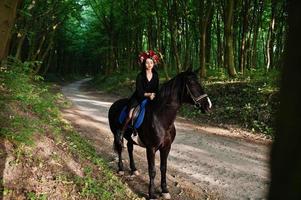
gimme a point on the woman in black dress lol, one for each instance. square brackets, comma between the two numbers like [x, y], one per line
[147, 84]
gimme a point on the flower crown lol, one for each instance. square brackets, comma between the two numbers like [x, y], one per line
[148, 54]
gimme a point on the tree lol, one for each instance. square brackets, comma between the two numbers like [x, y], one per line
[8, 10]
[37, 27]
[204, 14]
[106, 36]
[172, 12]
[285, 155]
[229, 51]
[244, 31]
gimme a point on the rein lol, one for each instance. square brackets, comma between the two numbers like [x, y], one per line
[196, 99]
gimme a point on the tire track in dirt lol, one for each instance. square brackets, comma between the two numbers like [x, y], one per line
[204, 162]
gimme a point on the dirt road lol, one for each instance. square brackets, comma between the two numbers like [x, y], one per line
[205, 161]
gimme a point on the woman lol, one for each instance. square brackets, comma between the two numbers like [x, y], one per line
[147, 84]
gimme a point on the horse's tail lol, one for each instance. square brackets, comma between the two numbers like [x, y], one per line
[115, 126]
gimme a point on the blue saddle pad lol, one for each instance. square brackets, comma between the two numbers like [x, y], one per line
[139, 119]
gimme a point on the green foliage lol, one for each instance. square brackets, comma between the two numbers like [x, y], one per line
[120, 83]
[5, 191]
[217, 74]
[29, 105]
[20, 129]
[29, 109]
[105, 189]
[249, 101]
[34, 196]
[102, 36]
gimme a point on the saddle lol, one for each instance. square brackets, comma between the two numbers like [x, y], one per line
[138, 114]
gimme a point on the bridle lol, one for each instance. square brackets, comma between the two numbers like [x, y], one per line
[195, 99]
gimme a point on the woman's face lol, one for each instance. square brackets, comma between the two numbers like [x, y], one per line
[149, 64]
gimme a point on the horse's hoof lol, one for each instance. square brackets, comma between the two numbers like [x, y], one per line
[121, 173]
[136, 173]
[166, 196]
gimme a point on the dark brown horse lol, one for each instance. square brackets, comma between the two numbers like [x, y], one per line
[157, 131]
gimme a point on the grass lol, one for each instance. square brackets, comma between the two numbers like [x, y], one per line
[29, 109]
[34, 196]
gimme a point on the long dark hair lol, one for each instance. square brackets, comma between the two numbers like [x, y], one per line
[143, 67]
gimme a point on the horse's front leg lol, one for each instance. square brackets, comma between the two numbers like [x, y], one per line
[130, 147]
[163, 167]
[151, 171]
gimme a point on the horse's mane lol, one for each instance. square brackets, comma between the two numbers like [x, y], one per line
[170, 90]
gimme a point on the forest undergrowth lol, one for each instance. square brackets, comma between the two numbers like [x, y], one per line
[41, 155]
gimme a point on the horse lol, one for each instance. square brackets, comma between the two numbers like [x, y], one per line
[157, 131]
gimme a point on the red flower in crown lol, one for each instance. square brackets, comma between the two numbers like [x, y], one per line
[149, 54]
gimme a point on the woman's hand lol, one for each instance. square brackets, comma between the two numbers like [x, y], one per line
[152, 96]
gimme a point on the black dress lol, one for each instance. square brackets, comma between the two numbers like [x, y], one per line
[143, 86]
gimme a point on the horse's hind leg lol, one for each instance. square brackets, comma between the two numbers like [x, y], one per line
[150, 152]
[163, 166]
[118, 148]
[130, 147]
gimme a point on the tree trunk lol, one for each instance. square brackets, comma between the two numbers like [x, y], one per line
[187, 44]
[286, 154]
[19, 47]
[229, 54]
[203, 54]
[8, 10]
[172, 16]
[209, 36]
[150, 34]
[203, 24]
[38, 50]
[270, 40]
[242, 58]
[43, 56]
[219, 42]
[48, 64]
[259, 5]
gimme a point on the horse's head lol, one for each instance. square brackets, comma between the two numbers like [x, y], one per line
[195, 93]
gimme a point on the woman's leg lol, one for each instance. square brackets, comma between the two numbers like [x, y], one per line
[131, 106]
[127, 120]
[125, 125]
